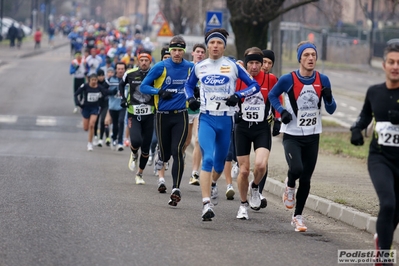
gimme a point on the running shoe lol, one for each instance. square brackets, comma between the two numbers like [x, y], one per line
[108, 141]
[230, 192]
[254, 198]
[150, 159]
[289, 196]
[139, 179]
[175, 197]
[89, 146]
[243, 212]
[132, 161]
[161, 186]
[207, 211]
[166, 166]
[194, 179]
[263, 201]
[120, 147]
[100, 143]
[235, 170]
[75, 110]
[113, 145]
[95, 141]
[214, 194]
[377, 249]
[298, 224]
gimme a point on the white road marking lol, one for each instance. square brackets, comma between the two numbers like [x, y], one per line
[46, 121]
[8, 118]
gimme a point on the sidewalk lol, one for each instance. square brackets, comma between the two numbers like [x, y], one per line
[27, 49]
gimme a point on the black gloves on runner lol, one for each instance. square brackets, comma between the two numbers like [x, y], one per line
[393, 116]
[356, 137]
[166, 95]
[326, 94]
[237, 117]
[193, 104]
[276, 127]
[124, 103]
[286, 117]
[196, 92]
[232, 100]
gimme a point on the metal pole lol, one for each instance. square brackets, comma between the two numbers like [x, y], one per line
[1, 18]
[277, 46]
[371, 44]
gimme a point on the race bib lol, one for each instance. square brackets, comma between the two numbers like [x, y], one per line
[388, 134]
[93, 97]
[216, 102]
[253, 113]
[307, 118]
[143, 109]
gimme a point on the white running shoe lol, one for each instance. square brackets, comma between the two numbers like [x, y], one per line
[150, 159]
[298, 224]
[214, 194]
[194, 179]
[95, 141]
[175, 197]
[166, 166]
[254, 198]
[89, 146]
[120, 147]
[289, 196]
[132, 161]
[100, 143]
[230, 192]
[139, 179]
[243, 212]
[207, 211]
[75, 110]
[161, 186]
[235, 170]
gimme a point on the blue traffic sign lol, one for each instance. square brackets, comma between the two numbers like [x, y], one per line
[214, 19]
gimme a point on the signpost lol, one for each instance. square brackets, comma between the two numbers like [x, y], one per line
[214, 19]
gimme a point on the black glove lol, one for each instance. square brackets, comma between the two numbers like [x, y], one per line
[286, 117]
[232, 100]
[193, 103]
[276, 127]
[356, 137]
[124, 103]
[196, 92]
[237, 117]
[166, 95]
[326, 94]
[393, 116]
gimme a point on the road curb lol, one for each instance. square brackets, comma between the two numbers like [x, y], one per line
[348, 215]
[41, 51]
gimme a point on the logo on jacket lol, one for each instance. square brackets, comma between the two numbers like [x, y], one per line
[168, 80]
[215, 80]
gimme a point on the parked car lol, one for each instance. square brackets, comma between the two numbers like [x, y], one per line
[6, 24]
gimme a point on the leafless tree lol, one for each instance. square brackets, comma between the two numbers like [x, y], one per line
[250, 20]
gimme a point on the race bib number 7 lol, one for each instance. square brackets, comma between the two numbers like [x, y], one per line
[216, 102]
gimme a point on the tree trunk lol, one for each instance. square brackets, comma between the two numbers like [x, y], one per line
[248, 35]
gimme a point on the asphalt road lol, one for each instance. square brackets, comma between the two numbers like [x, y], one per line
[61, 205]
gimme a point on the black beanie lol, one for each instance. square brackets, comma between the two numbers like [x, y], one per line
[100, 72]
[164, 51]
[268, 54]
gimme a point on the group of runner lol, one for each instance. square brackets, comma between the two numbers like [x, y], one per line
[220, 98]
